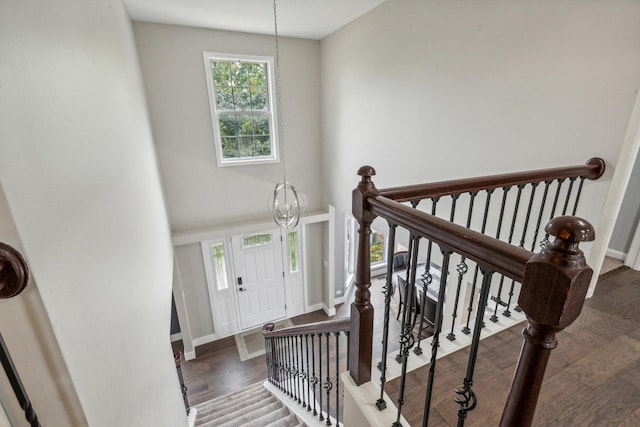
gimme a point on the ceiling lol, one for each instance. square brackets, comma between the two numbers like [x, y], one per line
[311, 19]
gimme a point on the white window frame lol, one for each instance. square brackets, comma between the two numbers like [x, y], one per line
[273, 113]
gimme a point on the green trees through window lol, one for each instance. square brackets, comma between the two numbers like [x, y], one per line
[240, 96]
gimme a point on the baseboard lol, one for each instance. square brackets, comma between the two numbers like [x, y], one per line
[176, 337]
[192, 416]
[189, 355]
[616, 254]
[329, 311]
[315, 307]
[204, 340]
[339, 300]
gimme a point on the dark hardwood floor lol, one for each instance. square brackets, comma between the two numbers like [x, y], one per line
[593, 377]
[217, 369]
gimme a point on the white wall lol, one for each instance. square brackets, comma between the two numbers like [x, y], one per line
[78, 168]
[198, 192]
[428, 90]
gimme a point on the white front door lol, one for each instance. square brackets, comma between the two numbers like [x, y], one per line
[259, 278]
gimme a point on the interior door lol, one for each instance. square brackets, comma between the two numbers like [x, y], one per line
[259, 278]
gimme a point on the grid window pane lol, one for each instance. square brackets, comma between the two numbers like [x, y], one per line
[256, 240]
[242, 108]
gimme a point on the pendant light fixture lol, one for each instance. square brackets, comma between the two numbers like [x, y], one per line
[284, 202]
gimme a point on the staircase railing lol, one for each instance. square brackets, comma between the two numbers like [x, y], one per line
[14, 276]
[553, 283]
[305, 362]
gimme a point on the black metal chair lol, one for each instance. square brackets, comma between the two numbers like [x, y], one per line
[400, 263]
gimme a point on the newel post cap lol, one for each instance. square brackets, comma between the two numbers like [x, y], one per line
[365, 189]
[14, 271]
[556, 280]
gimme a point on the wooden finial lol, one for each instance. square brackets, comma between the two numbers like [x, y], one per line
[14, 271]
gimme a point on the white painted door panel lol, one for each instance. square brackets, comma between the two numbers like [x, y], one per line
[259, 282]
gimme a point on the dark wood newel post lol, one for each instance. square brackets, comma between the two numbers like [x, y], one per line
[361, 343]
[553, 291]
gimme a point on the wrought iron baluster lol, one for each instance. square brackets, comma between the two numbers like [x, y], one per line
[498, 298]
[525, 227]
[292, 376]
[289, 378]
[462, 269]
[267, 357]
[468, 400]
[16, 384]
[411, 266]
[446, 255]
[320, 416]
[328, 385]
[407, 339]
[347, 334]
[337, 335]
[466, 330]
[308, 378]
[388, 290]
[572, 180]
[297, 369]
[303, 373]
[560, 181]
[278, 363]
[427, 279]
[578, 194]
[539, 221]
[314, 377]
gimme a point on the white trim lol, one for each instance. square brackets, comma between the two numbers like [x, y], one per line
[315, 307]
[329, 311]
[207, 339]
[339, 300]
[212, 285]
[612, 253]
[176, 337]
[332, 260]
[189, 355]
[197, 235]
[181, 309]
[633, 256]
[192, 416]
[617, 188]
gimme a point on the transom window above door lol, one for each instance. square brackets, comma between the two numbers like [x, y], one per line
[241, 90]
[256, 240]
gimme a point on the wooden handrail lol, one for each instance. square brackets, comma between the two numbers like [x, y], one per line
[339, 325]
[554, 282]
[593, 169]
[489, 252]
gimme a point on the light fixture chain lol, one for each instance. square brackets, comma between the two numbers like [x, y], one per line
[279, 94]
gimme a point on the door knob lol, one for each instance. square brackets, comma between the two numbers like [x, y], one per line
[241, 289]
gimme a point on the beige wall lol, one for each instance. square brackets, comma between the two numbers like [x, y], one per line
[198, 192]
[78, 168]
[429, 90]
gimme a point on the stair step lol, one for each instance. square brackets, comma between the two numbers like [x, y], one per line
[289, 421]
[246, 418]
[240, 408]
[240, 401]
[253, 406]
